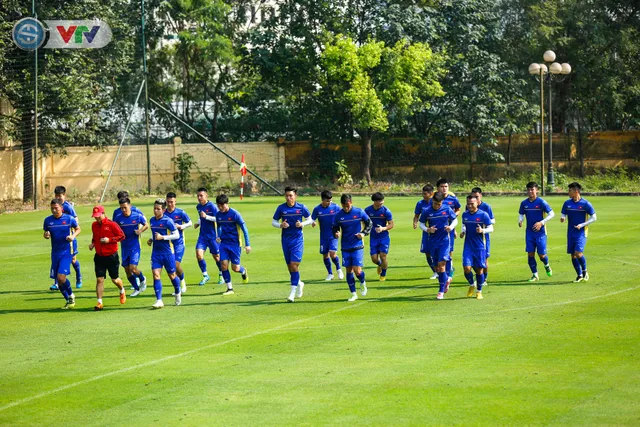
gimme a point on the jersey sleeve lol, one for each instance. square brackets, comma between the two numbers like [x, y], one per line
[456, 204]
[73, 222]
[486, 220]
[389, 215]
[590, 209]
[314, 214]
[490, 212]
[423, 216]
[171, 226]
[564, 208]
[278, 214]
[185, 217]
[45, 227]
[417, 210]
[305, 212]
[547, 206]
[452, 214]
[521, 210]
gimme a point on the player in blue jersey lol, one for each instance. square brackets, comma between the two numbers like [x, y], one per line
[67, 208]
[123, 194]
[324, 214]
[579, 213]
[476, 226]
[379, 240]
[484, 206]
[538, 213]
[133, 224]
[207, 237]
[182, 221]
[229, 223]
[438, 220]
[289, 217]
[450, 200]
[163, 233]
[62, 229]
[354, 224]
[427, 194]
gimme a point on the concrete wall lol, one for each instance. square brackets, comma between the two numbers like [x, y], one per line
[11, 174]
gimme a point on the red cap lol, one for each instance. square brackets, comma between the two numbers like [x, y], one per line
[97, 211]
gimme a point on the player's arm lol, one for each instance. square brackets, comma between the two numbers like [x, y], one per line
[520, 220]
[335, 228]
[245, 233]
[304, 223]
[74, 233]
[368, 225]
[140, 230]
[452, 225]
[118, 234]
[463, 230]
[173, 236]
[591, 220]
[538, 225]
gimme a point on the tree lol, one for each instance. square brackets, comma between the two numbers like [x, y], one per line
[374, 82]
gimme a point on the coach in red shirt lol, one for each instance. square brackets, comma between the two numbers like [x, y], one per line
[106, 235]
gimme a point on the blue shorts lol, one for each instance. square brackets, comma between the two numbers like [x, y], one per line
[536, 242]
[292, 251]
[379, 245]
[205, 243]
[328, 245]
[168, 261]
[474, 258]
[75, 247]
[130, 256]
[353, 258]
[60, 264]
[230, 253]
[452, 241]
[440, 253]
[425, 247]
[576, 243]
[178, 251]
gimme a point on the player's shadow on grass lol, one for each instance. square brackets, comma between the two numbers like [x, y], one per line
[527, 283]
[29, 292]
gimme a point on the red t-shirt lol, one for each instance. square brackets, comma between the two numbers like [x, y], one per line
[108, 229]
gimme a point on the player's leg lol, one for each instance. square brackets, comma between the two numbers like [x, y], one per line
[333, 254]
[99, 291]
[479, 279]
[467, 262]
[156, 269]
[581, 243]
[383, 250]
[169, 264]
[226, 274]
[324, 250]
[129, 272]
[542, 253]
[531, 257]
[63, 269]
[571, 250]
[488, 252]
[347, 262]
[113, 262]
[201, 246]
[426, 249]
[234, 254]
[452, 241]
[357, 263]
[179, 254]
[76, 265]
[440, 255]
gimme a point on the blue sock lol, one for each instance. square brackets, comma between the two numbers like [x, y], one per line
[67, 284]
[545, 260]
[134, 282]
[379, 261]
[469, 277]
[295, 278]
[486, 274]
[351, 281]
[361, 276]
[76, 267]
[203, 265]
[442, 279]
[583, 263]
[141, 277]
[448, 268]
[157, 287]
[336, 261]
[219, 267]
[327, 264]
[63, 291]
[181, 276]
[176, 284]
[226, 276]
[432, 265]
[242, 271]
[383, 272]
[533, 265]
[577, 266]
[480, 279]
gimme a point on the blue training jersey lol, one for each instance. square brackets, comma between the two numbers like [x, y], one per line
[577, 213]
[178, 216]
[291, 214]
[534, 211]
[438, 218]
[164, 226]
[207, 228]
[60, 228]
[68, 209]
[351, 224]
[379, 217]
[129, 225]
[487, 208]
[421, 206]
[229, 225]
[118, 211]
[450, 201]
[325, 219]
[474, 240]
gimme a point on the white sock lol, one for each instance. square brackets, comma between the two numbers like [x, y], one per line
[99, 300]
[293, 292]
[229, 286]
[122, 290]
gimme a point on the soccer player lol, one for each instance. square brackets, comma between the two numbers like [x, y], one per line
[575, 211]
[476, 226]
[324, 213]
[133, 224]
[349, 222]
[450, 200]
[229, 221]
[62, 229]
[379, 241]
[484, 206]
[67, 208]
[538, 213]
[292, 215]
[105, 237]
[427, 194]
[441, 219]
[182, 221]
[207, 237]
[163, 232]
[124, 194]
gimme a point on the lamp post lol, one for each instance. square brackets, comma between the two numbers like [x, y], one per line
[553, 72]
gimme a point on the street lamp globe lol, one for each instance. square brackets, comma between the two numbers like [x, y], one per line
[549, 56]
[555, 68]
[534, 69]
[543, 68]
[566, 68]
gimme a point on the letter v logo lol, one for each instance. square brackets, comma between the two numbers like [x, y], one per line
[66, 34]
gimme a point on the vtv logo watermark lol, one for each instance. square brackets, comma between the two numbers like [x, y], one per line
[78, 34]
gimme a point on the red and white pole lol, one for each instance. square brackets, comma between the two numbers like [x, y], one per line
[243, 172]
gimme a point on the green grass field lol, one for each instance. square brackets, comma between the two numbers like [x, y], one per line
[551, 353]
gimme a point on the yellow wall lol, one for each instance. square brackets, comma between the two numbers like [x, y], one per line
[11, 174]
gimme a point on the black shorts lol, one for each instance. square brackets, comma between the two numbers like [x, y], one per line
[109, 263]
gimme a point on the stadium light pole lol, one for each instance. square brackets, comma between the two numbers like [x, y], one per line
[557, 72]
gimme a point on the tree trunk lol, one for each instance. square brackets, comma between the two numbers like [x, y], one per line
[366, 155]
[509, 149]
